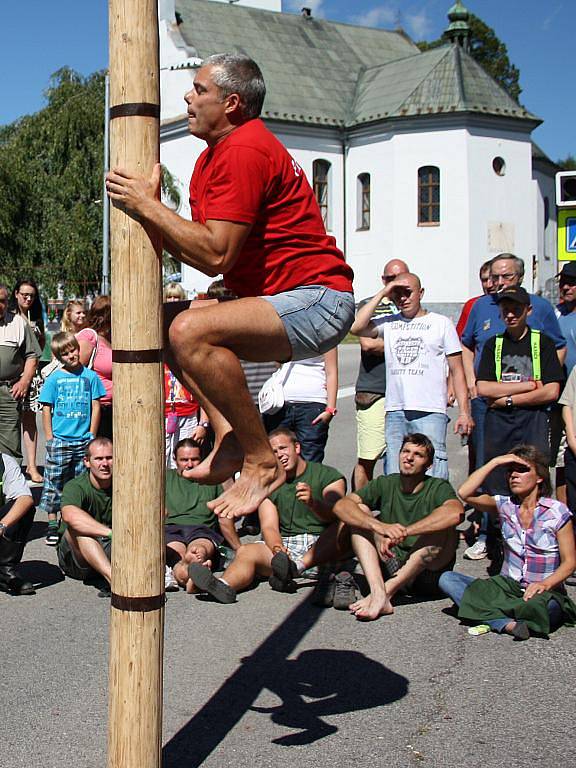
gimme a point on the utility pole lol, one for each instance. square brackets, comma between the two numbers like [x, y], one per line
[137, 604]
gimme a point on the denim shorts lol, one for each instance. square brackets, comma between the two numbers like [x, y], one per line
[316, 318]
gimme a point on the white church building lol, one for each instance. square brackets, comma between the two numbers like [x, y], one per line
[414, 155]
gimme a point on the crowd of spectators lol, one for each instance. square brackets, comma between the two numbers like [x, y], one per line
[508, 367]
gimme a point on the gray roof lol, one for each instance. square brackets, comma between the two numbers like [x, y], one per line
[327, 73]
[443, 79]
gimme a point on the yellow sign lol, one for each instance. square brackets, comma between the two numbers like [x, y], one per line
[566, 234]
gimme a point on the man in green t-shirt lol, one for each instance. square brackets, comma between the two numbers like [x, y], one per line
[193, 532]
[85, 545]
[410, 538]
[299, 529]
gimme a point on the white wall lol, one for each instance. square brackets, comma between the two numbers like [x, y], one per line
[503, 207]
[547, 235]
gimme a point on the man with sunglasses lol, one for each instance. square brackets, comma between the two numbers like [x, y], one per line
[520, 376]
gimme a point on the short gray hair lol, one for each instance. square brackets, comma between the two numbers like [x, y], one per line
[236, 73]
[518, 262]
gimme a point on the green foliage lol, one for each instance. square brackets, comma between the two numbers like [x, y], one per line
[490, 52]
[568, 163]
[51, 166]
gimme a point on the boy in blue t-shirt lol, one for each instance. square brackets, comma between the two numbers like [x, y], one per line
[71, 417]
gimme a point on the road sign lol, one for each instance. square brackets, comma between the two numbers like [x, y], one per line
[567, 234]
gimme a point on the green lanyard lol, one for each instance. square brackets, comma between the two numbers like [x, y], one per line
[534, 349]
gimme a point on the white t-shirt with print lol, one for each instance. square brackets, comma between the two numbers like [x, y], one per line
[415, 352]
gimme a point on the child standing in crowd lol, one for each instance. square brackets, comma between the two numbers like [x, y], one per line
[74, 316]
[71, 416]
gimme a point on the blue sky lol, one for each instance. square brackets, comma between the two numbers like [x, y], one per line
[39, 37]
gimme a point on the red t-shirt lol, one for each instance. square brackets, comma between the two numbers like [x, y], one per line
[250, 178]
[464, 315]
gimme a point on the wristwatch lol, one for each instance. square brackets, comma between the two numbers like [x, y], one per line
[331, 411]
[2, 529]
[509, 402]
[204, 424]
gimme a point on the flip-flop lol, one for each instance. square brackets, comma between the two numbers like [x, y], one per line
[205, 580]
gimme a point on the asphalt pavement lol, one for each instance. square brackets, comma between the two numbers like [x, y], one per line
[274, 681]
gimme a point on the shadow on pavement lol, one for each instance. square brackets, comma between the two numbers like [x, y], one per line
[40, 573]
[338, 681]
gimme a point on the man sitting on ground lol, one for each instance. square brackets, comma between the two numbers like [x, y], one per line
[193, 532]
[298, 527]
[85, 546]
[413, 537]
[16, 517]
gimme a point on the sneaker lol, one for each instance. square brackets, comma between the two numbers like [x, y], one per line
[284, 571]
[170, 583]
[282, 585]
[52, 537]
[323, 594]
[477, 551]
[344, 591]
[204, 579]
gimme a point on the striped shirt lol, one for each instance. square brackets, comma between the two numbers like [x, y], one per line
[531, 554]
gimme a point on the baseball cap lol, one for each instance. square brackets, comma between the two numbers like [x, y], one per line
[513, 293]
[568, 270]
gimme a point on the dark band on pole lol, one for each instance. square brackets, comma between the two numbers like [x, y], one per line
[136, 355]
[135, 109]
[138, 604]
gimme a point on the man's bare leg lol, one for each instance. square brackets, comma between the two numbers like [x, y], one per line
[363, 473]
[251, 560]
[431, 552]
[332, 545]
[89, 551]
[377, 603]
[206, 344]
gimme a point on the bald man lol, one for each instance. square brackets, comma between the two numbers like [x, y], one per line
[371, 389]
[417, 346]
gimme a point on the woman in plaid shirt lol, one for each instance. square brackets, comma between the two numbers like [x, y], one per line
[539, 552]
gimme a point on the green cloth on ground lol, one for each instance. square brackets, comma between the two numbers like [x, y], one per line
[385, 493]
[186, 501]
[295, 516]
[498, 596]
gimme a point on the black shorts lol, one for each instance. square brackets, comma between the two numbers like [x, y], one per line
[186, 534]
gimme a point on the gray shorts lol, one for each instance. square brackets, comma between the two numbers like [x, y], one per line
[316, 318]
[70, 566]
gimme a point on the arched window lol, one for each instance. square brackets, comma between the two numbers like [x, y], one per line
[320, 180]
[428, 195]
[363, 201]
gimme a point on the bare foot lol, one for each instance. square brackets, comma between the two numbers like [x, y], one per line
[198, 554]
[221, 463]
[372, 607]
[256, 482]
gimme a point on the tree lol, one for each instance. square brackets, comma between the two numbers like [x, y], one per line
[567, 164]
[490, 52]
[51, 166]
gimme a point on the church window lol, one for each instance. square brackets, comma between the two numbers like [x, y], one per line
[428, 195]
[363, 201]
[320, 180]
